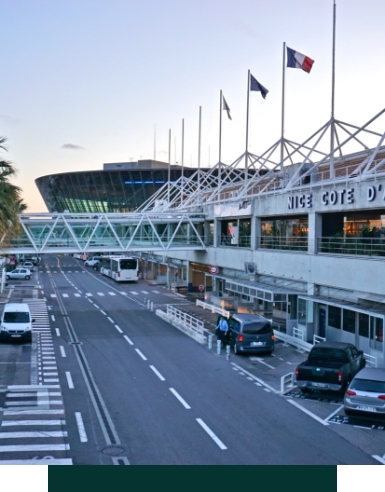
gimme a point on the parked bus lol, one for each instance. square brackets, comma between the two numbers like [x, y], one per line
[119, 268]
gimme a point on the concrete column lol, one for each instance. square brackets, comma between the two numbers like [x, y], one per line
[188, 272]
[206, 230]
[315, 231]
[256, 231]
[217, 232]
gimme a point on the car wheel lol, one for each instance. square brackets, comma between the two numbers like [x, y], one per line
[7, 277]
[27, 277]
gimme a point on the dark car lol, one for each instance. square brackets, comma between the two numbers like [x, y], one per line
[250, 333]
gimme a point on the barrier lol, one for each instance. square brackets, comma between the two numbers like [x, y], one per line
[318, 339]
[370, 360]
[297, 342]
[287, 382]
[191, 326]
[213, 309]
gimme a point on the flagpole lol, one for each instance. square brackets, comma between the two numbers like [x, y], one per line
[283, 102]
[154, 142]
[169, 165]
[247, 124]
[181, 196]
[220, 144]
[332, 127]
[199, 153]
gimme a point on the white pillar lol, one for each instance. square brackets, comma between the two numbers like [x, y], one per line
[315, 231]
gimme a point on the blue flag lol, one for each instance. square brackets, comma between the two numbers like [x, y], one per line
[256, 86]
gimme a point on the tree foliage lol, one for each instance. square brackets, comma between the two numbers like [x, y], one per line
[11, 203]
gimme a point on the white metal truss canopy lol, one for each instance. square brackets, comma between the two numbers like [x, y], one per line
[356, 153]
[73, 233]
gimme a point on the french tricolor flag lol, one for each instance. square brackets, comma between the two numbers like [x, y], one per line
[298, 60]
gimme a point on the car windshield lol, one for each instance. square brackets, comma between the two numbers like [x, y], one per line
[257, 328]
[18, 317]
[328, 353]
[368, 385]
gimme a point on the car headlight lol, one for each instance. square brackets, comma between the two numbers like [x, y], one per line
[3, 328]
[27, 328]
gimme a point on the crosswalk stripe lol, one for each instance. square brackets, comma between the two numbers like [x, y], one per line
[112, 293]
[34, 447]
[135, 293]
[77, 295]
[65, 295]
[42, 461]
[145, 292]
[32, 434]
[100, 294]
[12, 423]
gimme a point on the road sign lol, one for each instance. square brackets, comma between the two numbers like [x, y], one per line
[201, 288]
[213, 269]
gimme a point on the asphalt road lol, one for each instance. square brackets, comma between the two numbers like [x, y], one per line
[137, 391]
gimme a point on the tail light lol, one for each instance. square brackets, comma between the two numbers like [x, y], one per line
[381, 397]
[240, 338]
[339, 376]
[272, 337]
[351, 393]
[296, 372]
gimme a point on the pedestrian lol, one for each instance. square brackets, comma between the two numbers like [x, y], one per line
[222, 329]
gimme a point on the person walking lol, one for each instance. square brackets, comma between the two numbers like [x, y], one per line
[222, 329]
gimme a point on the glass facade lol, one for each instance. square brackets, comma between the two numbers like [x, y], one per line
[105, 191]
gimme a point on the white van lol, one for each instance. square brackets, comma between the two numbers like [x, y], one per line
[16, 322]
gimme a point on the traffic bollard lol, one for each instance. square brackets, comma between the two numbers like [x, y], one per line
[219, 343]
[148, 303]
[151, 306]
[210, 341]
[227, 352]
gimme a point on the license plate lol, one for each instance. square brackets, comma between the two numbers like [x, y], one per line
[15, 336]
[257, 344]
[319, 385]
[366, 408]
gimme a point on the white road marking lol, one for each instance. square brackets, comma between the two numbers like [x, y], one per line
[144, 292]
[158, 373]
[62, 351]
[378, 458]
[312, 415]
[112, 294]
[53, 317]
[177, 395]
[42, 461]
[128, 340]
[11, 423]
[336, 411]
[53, 295]
[65, 295]
[81, 428]
[105, 314]
[156, 291]
[34, 412]
[211, 434]
[76, 294]
[100, 294]
[34, 447]
[88, 294]
[119, 330]
[133, 292]
[57, 332]
[118, 461]
[140, 353]
[69, 380]
[109, 319]
[32, 434]
[256, 379]
[259, 359]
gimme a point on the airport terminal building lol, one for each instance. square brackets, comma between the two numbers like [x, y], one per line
[301, 241]
[117, 188]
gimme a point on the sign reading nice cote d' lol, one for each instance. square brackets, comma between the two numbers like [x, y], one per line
[341, 196]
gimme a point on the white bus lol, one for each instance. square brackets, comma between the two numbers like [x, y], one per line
[119, 268]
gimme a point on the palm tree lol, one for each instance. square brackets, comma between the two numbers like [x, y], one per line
[11, 203]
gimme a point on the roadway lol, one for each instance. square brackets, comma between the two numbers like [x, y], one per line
[125, 387]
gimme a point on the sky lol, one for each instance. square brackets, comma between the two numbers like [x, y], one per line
[94, 81]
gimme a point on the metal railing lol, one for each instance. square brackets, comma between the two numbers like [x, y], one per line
[228, 240]
[186, 320]
[357, 246]
[213, 309]
[293, 243]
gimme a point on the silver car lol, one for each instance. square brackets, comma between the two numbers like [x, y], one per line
[22, 273]
[366, 392]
